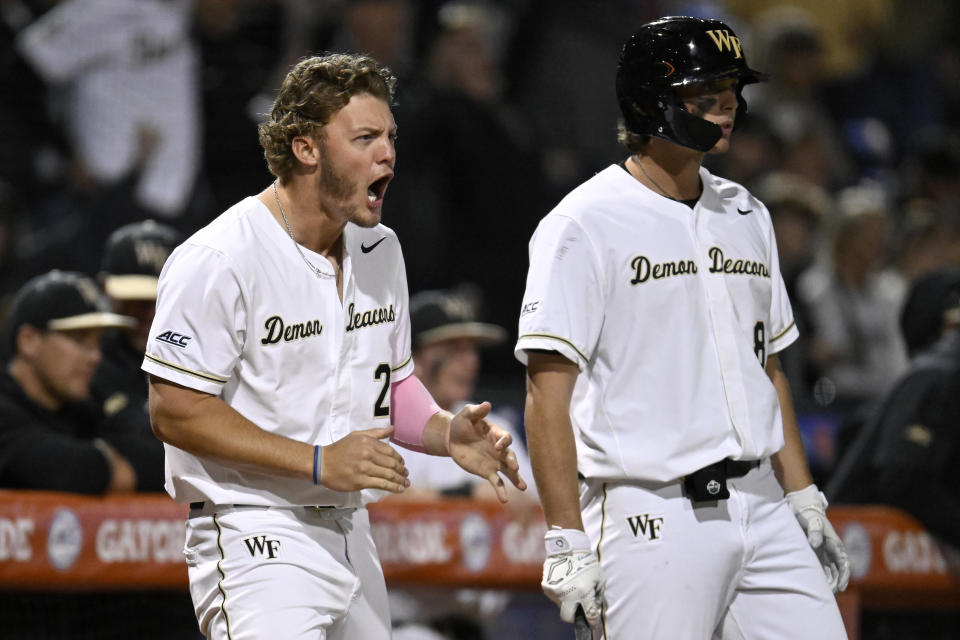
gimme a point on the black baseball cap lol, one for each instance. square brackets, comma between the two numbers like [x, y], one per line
[61, 301]
[437, 315]
[133, 258]
[930, 301]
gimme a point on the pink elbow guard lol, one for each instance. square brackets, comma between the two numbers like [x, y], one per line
[412, 406]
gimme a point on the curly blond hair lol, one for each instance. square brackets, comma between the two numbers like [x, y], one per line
[312, 92]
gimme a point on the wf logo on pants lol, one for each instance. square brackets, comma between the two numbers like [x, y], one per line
[644, 524]
[260, 546]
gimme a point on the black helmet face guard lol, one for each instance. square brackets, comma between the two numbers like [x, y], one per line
[671, 53]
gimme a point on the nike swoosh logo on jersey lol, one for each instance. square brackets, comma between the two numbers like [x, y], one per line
[367, 249]
[743, 212]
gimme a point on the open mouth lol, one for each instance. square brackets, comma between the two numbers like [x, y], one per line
[376, 189]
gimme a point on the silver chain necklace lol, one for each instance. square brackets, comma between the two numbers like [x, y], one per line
[639, 164]
[313, 267]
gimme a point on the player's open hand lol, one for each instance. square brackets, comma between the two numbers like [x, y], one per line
[361, 460]
[482, 448]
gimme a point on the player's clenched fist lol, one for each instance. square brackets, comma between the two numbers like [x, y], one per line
[571, 574]
[483, 449]
[361, 460]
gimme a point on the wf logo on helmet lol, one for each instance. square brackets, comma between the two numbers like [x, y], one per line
[726, 42]
[151, 254]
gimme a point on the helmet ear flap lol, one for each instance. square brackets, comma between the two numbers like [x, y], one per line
[670, 121]
[689, 130]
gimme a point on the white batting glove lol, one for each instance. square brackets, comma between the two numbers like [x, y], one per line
[809, 505]
[571, 574]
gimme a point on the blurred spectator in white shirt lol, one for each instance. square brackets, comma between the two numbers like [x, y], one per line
[854, 300]
[124, 74]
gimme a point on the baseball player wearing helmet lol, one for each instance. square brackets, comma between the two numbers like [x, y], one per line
[279, 362]
[659, 422]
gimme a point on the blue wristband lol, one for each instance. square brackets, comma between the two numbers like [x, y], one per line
[316, 464]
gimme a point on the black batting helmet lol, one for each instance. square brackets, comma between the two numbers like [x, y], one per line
[674, 52]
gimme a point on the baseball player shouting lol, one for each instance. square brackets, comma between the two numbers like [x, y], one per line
[279, 362]
[650, 325]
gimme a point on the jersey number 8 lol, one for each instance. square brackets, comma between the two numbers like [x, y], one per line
[760, 344]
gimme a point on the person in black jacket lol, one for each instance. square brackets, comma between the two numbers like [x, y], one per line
[54, 437]
[133, 257]
[907, 454]
[47, 424]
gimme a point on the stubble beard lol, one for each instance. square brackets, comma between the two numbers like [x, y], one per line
[338, 189]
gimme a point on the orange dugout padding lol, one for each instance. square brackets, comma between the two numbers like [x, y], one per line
[55, 541]
[63, 541]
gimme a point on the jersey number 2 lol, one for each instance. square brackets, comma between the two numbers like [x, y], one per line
[379, 410]
[760, 344]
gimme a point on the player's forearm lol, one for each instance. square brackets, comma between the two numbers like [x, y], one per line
[551, 444]
[206, 426]
[790, 463]
[553, 456]
[419, 422]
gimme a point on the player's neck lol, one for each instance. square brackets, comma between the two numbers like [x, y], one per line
[671, 174]
[310, 225]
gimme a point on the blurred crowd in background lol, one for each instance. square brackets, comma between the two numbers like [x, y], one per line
[114, 111]
[119, 111]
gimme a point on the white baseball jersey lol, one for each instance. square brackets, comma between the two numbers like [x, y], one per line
[670, 314]
[241, 316]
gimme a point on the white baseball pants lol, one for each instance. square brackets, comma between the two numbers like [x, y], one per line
[737, 569]
[272, 573]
